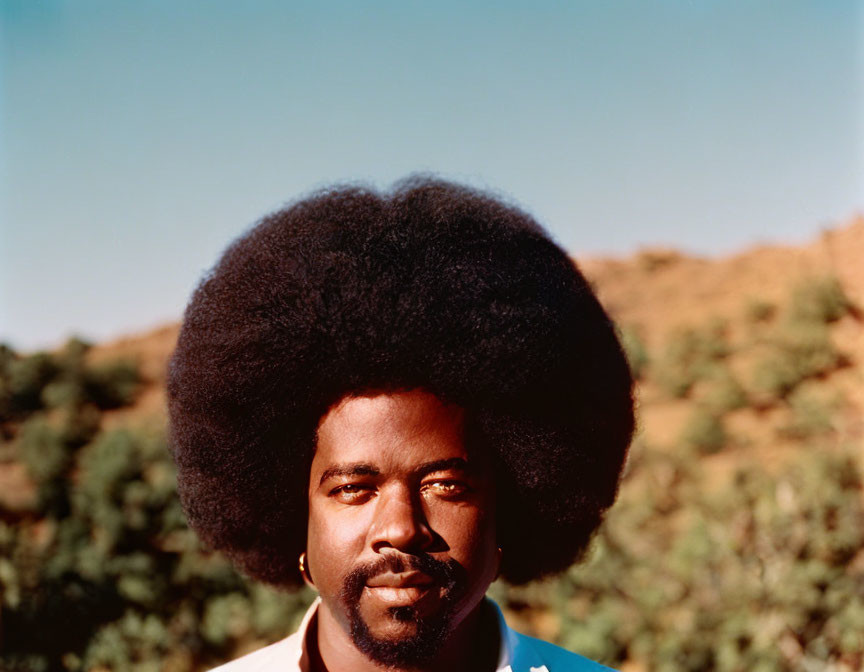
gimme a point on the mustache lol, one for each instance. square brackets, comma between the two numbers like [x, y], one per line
[446, 574]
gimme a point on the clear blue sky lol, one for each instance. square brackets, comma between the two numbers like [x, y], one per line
[137, 138]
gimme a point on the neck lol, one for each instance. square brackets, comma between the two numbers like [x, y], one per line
[472, 646]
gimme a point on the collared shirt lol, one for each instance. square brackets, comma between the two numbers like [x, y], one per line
[518, 653]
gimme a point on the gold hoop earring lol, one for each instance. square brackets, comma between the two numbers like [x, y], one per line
[304, 569]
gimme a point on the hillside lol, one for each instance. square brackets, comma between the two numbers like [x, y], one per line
[657, 294]
[736, 542]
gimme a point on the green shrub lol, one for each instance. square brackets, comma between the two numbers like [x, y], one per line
[690, 355]
[135, 642]
[108, 385]
[62, 381]
[226, 617]
[114, 384]
[811, 414]
[758, 310]
[800, 351]
[121, 565]
[65, 390]
[108, 566]
[724, 393]
[42, 449]
[25, 377]
[717, 586]
[819, 300]
[679, 367]
[705, 431]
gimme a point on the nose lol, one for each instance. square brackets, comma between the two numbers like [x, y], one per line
[400, 522]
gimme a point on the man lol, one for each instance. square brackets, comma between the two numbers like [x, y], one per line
[397, 398]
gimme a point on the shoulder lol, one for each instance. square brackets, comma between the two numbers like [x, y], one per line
[521, 653]
[536, 653]
[281, 655]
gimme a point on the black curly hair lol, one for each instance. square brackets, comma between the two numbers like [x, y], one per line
[431, 285]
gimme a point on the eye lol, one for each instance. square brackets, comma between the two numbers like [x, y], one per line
[443, 488]
[351, 493]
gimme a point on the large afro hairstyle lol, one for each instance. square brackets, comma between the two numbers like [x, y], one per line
[433, 286]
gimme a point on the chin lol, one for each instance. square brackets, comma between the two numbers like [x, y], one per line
[400, 644]
[404, 626]
[400, 636]
[394, 629]
[399, 622]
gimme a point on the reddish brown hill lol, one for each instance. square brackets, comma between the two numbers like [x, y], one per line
[659, 292]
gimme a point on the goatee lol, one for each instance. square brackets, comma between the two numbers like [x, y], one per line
[430, 631]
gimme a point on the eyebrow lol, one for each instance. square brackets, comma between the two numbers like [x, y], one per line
[365, 469]
[354, 469]
[450, 464]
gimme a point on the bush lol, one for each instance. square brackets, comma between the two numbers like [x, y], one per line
[811, 415]
[758, 310]
[24, 379]
[114, 384]
[801, 351]
[690, 354]
[121, 576]
[43, 451]
[819, 300]
[108, 568]
[62, 381]
[737, 570]
[725, 393]
[705, 431]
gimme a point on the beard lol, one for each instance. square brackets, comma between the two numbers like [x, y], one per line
[429, 631]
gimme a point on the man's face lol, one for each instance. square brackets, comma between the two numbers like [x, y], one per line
[401, 543]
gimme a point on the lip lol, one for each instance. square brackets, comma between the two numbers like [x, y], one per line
[395, 590]
[401, 596]
[406, 580]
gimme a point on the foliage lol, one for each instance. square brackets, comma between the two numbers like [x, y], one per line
[800, 351]
[690, 572]
[800, 344]
[812, 414]
[106, 564]
[758, 575]
[725, 393]
[64, 380]
[705, 431]
[819, 300]
[689, 355]
[23, 379]
[759, 310]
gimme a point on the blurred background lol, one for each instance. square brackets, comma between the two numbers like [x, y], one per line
[703, 162]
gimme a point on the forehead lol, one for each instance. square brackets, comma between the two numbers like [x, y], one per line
[398, 428]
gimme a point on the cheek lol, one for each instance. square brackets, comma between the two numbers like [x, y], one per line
[469, 532]
[332, 546]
